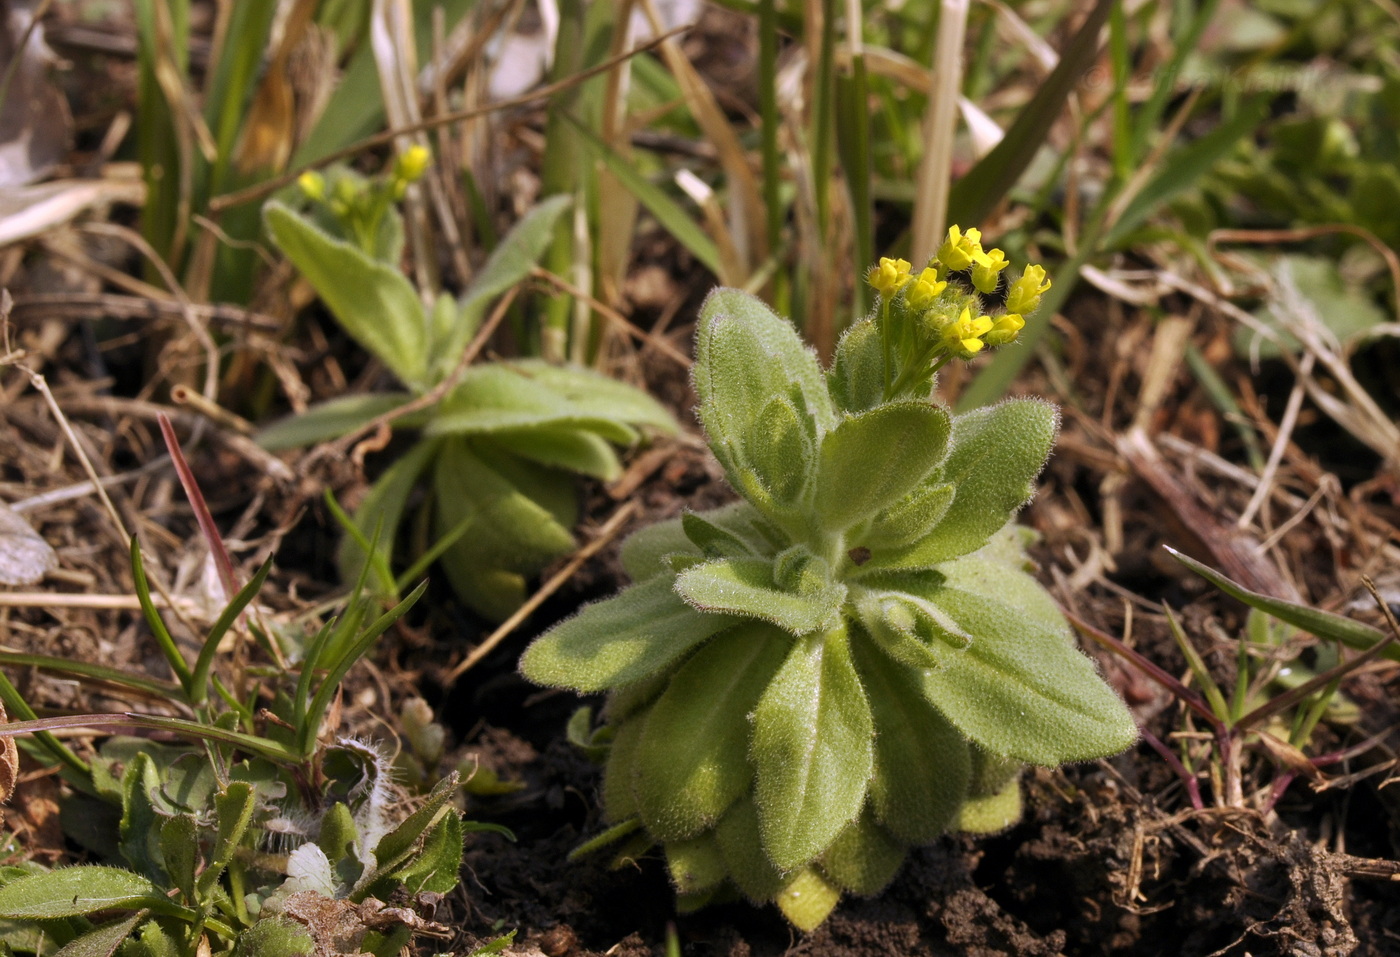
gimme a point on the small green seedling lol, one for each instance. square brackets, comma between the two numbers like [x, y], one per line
[1276, 703]
[854, 658]
[258, 821]
[500, 442]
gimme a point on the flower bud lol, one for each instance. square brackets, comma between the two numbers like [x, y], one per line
[1024, 295]
[986, 270]
[313, 185]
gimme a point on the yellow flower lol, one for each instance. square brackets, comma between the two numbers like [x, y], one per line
[960, 249]
[1005, 329]
[986, 269]
[412, 164]
[888, 276]
[925, 289]
[313, 185]
[963, 336]
[1024, 295]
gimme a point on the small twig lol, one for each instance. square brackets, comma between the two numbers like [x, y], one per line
[40, 599]
[606, 534]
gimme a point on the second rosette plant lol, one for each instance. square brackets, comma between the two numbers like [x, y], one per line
[853, 659]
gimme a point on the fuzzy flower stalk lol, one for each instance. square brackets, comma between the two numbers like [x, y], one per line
[854, 658]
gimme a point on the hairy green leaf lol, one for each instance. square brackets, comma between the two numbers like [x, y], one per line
[508, 265]
[563, 447]
[863, 859]
[82, 889]
[103, 940]
[745, 586]
[922, 763]
[741, 843]
[620, 640]
[1021, 689]
[872, 460]
[692, 763]
[996, 454]
[696, 865]
[619, 776]
[372, 301]
[329, 420]
[812, 749]
[644, 551]
[745, 356]
[856, 378]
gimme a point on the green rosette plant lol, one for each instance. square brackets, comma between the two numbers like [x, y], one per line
[854, 658]
[501, 444]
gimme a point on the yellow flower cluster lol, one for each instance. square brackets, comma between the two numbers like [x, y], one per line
[955, 324]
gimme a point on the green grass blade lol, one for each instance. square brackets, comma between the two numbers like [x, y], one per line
[17, 707]
[1198, 668]
[151, 687]
[154, 621]
[199, 678]
[1181, 170]
[1323, 624]
[311, 726]
[666, 210]
[973, 197]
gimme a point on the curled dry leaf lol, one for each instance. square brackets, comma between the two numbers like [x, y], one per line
[24, 556]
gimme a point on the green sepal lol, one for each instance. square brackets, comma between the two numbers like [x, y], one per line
[995, 456]
[741, 843]
[923, 766]
[872, 460]
[863, 859]
[623, 639]
[745, 356]
[692, 762]
[745, 586]
[812, 749]
[856, 379]
[696, 865]
[1021, 689]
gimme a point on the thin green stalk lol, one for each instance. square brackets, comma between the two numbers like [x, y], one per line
[18, 709]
